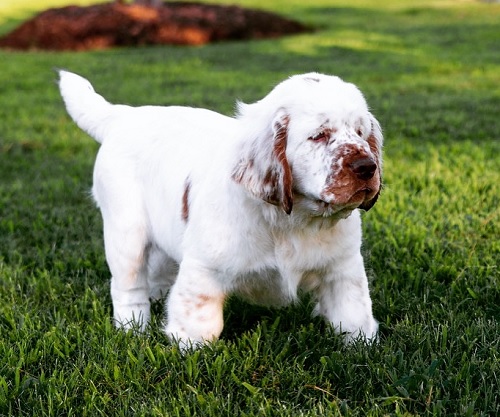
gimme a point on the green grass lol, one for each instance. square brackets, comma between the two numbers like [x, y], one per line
[430, 71]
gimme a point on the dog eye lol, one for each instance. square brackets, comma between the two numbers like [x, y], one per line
[359, 132]
[320, 137]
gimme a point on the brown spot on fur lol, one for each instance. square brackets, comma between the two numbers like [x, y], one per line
[345, 185]
[185, 201]
[270, 185]
[243, 168]
[374, 146]
[374, 142]
[271, 178]
[201, 300]
[280, 143]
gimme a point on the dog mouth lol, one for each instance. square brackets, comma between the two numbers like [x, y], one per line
[367, 204]
[338, 205]
[363, 199]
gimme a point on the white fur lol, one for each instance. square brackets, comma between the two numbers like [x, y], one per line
[199, 205]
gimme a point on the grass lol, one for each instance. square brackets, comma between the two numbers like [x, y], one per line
[430, 72]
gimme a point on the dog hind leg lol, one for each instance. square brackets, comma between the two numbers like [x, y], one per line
[126, 253]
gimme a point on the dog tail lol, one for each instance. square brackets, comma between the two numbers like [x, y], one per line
[88, 109]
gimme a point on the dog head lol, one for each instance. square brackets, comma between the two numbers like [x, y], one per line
[312, 141]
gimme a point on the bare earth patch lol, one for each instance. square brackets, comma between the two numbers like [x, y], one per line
[109, 25]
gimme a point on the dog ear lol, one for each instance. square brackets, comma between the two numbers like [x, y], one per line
[375, 142]
[263, 168]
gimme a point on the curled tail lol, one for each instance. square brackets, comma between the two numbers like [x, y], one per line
[88, 109]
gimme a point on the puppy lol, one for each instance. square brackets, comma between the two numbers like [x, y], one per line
[197, 205]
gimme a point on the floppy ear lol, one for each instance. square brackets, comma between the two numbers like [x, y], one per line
[375, 142]
[263, 168]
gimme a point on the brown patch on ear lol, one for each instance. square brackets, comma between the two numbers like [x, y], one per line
[185, 201]
[285, 186]
[375, 141]
[244, 172]
[265, 171]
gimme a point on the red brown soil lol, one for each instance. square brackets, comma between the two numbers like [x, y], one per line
[175, 23]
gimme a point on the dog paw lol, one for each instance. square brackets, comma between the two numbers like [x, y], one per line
[131, 317]
[367, 333]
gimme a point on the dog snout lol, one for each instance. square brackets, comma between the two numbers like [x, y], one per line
[364, 168]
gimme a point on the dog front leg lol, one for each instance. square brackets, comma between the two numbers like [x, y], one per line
[195, 306]
[344, 300]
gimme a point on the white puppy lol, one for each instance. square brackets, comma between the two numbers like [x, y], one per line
[260, 205]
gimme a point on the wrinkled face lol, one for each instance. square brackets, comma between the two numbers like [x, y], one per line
[334, 151]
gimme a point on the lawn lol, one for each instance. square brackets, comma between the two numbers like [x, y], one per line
[431, 73]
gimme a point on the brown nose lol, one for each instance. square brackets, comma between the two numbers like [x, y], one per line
[364, 168]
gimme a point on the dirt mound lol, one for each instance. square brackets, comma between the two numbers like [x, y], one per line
[175, 23]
